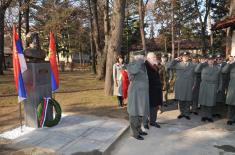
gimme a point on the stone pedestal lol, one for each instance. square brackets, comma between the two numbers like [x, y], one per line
[37, 81]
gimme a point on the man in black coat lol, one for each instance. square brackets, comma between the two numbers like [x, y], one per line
[155, 90]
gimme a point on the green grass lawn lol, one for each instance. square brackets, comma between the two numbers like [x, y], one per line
[79, 93]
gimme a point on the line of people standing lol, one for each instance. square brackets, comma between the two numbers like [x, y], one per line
[205, 83]
[144, 91]
[198, 81]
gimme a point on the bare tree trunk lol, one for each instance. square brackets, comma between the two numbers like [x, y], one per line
[93, 65]
[141, 20]
[178, 52]
[203, 22]
[114, 41]
[232, 8]
[127, 36]
[93, 59]
[26, 16]
[106, 31]
[229, 30]
[3, 6]
[211, 32]
[96, 37]
[57, 47]
[172, 29]
[20, 19]
[2, 14]
[165, 44]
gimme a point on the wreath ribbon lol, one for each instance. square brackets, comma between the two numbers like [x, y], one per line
[44, 111]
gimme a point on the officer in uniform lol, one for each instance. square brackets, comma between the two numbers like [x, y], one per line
[230, 98]
[196, 86]
[220, 98]
[138, 94]
[184, 83]
[210, 85]
[166, 78]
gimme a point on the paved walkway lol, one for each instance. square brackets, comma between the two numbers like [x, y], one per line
[181, 137]
[74, 135]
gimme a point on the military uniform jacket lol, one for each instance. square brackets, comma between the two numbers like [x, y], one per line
[184, 79]
[221, 94]
[230, 98]
[138, 90]
[196, 85]
[210, 84]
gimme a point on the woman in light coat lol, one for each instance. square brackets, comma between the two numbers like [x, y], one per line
[117, 68]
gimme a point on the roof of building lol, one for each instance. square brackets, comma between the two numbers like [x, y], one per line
[225, 22]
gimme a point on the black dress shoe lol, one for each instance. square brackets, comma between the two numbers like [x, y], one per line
[229, 122]
[139, 137]
[155, 125]
[216, 115]
[187, 117]
[142, 133]
[210, 120]
[146, 126]
[195, 113]
[180, 116]
[203, 119]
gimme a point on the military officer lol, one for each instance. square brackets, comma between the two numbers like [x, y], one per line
[184, 83]
[210, 85]
[220, 97]
[230, 98]
[197, 80]
[166, 78]
[138, 94]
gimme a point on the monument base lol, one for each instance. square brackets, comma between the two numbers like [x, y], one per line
[37, 81]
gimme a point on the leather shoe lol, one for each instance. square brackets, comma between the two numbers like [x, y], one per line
[210, 120]
[229, 122]
[203, 119]
[139, 137]
[187, 117]
[216, 115]
[155, 125]
[146, 126]
[195, 113]
[180, 116]
[142, 133]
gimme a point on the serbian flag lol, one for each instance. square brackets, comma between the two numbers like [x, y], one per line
[19, 65]
[54, 67]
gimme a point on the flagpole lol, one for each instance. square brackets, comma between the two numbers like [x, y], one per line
[53, 95]
[20, 116]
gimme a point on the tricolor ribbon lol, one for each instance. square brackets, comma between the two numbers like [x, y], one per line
[44, 111]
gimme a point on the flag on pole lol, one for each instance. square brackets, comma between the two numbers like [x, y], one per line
[53, 63]
[19, 65]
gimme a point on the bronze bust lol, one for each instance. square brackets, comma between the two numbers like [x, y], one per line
[34, 53]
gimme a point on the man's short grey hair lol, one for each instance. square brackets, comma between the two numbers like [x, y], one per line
[150, 54]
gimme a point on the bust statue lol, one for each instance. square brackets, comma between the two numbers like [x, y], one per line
[34, 53]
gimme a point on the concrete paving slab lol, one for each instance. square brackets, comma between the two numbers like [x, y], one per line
[181, 137]
[74, 135]
[82, 145]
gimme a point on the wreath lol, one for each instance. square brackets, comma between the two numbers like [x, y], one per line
[41, 110]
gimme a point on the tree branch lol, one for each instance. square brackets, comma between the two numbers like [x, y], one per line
[198, 12]
[208, 6]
